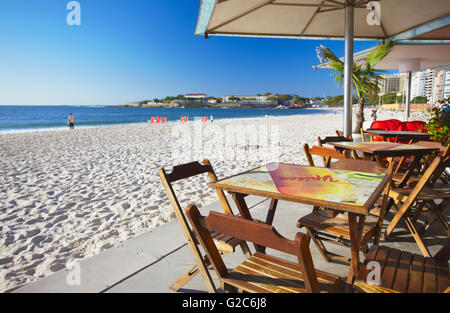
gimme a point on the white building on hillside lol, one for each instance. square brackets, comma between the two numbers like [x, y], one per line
[195, 95]
[257, 99]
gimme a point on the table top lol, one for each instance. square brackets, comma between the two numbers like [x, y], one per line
[385, 148]
[432, 144]
[397, 133]
[337, 189]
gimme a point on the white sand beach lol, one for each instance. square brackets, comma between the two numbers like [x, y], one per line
[67, 195]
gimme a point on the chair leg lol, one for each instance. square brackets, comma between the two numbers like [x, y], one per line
[417, 238]
[437, 212]
[185, 278]
[323, 251]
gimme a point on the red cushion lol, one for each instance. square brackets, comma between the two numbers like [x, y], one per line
[413, 126]
[378, 125]
[393, 124]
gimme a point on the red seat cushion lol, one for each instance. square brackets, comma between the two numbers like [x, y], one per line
[379, 125]
[393, 124]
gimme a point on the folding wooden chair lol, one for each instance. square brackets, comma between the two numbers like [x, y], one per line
[404, 272]
[327, 154]
[340, 133]
[410, 202]
[365, 137]
[261, 273]
[338, 138]
[335, 228]
[226, 244]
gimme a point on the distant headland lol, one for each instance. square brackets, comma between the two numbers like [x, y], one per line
[201, 100]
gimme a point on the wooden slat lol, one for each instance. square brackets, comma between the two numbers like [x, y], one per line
[429, 276]
[338, 225]
[382, 256]
[262, 273]
[402, 278]
[390, 270]
[186, 170]
[238, 280]
[321, 276]
[272, 276]
[416, 274]
[443, 276]
[362, 275]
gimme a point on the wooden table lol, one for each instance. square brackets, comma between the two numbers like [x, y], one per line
[432, 144]
[345, 191]
[381, 150]
[400, 135]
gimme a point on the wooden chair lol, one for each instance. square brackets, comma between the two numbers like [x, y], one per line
[327, 154]
[411, 201]
[340, 133]
[365, 137]
[338, 138]
[226, 244]
[261, 273]
[401, 271]
[368, 137]
[335, 229]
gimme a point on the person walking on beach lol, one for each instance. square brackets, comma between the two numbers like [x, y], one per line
[374, 114]
[71, 121]
[212, 118]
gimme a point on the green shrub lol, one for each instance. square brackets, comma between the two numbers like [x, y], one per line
[439, 125]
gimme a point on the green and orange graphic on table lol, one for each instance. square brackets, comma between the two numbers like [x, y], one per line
[332, 185]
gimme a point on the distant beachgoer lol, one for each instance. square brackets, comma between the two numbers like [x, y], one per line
[374, 114]
[71, 121]
[212, 118]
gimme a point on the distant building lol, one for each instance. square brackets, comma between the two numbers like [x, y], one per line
[246, 98]
[195, 95]
[394, 83]
[440, 86]
[446, 87]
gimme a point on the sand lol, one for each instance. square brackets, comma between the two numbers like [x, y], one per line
[68, 195]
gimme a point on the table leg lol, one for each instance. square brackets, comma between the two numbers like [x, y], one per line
[245, 213]
[380, 161]
[271, 213]
[354, 244]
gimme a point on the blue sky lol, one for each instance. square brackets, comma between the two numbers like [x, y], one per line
[130, 50]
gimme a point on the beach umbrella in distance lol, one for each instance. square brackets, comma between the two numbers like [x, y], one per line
[408, 58]
[328, 19]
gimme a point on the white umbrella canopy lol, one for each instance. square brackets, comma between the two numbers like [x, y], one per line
[316, 18]
[325, 19]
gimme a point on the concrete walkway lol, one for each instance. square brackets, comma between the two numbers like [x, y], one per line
[153, 261]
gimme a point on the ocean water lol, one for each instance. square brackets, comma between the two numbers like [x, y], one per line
[16, 119]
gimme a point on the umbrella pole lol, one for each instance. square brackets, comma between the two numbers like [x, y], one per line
[348, 70]
[408, 95]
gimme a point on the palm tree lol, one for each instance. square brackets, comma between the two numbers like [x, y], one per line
[365, 77]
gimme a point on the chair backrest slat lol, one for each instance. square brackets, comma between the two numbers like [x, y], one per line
[327, 153]
[333, 139]
[248, 230]
[187, 170]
